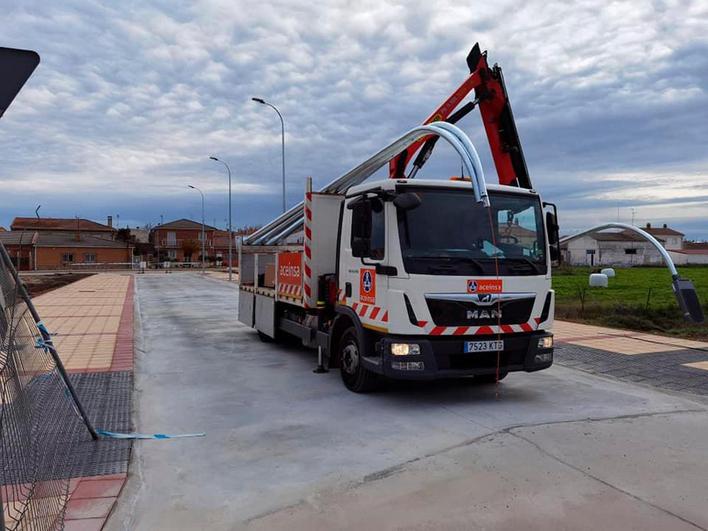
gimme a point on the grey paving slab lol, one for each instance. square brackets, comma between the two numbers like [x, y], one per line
[660, 369]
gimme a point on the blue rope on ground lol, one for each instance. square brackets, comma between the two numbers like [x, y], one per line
[114, 435]
[40, 343]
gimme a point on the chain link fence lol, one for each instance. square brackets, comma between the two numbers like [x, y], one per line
[33, 393]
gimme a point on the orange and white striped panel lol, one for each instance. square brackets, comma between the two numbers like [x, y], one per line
[309, 299]
[290, 290]
[432, 330]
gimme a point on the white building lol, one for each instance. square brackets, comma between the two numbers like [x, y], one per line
[625, 248]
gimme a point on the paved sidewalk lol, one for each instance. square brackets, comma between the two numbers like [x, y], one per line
[92, 324]
[668, 362]
[87, 317]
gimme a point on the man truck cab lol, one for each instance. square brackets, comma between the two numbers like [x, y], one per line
[434, 284]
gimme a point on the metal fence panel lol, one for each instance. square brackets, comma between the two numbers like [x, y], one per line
[33, 489]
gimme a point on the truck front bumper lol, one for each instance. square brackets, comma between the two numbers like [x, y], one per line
[444, 357]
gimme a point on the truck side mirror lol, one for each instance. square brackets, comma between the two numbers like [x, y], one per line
[553, 236]
[687, 299]
[407, 201]
[360, 248]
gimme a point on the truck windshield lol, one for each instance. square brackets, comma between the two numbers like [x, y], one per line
[449, 233]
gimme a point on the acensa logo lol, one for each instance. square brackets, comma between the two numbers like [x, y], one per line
[484, 285]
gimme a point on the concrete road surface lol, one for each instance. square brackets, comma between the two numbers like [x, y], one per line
[289, 449]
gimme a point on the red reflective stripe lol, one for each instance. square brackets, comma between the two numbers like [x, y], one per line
[437, 330]
[538, 320]
[307, 290]
[526, 327]
[484, 330]
[308, 213]
[460, 331]
[308, 271]
[422, 323]
[355, 306]
[385, 318]
[308, 233]
[374, 312]
[308, 253]
[362, 311]
[507, 329]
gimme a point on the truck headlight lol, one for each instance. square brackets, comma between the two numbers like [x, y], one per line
[405, 349]
[545, 342]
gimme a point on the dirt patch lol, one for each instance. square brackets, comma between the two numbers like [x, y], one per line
[38, 284]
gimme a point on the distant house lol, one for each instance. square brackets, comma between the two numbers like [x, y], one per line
[55, 250]
[626, 248]
[170, 240]
[62, 243]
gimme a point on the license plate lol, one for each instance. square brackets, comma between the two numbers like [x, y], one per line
[483, 346]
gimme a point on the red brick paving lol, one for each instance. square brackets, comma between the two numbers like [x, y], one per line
[123, 352]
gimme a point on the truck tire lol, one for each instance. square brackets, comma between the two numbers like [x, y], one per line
[489, 378]
[355, 376]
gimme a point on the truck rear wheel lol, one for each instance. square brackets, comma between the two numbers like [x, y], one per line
[355, 376]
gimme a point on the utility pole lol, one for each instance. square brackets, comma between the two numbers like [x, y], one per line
[203, 238]
[231, 232]
[282, 136]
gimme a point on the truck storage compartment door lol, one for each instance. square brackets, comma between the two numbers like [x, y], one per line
[245, 307]
[265, 315]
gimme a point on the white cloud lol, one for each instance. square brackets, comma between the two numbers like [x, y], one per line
[141, 93]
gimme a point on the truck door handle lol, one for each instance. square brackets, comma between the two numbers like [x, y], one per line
[348, 289]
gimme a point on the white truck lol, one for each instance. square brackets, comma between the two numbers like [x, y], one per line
[414, 279]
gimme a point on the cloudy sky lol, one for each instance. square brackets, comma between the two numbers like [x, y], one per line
[131, 97]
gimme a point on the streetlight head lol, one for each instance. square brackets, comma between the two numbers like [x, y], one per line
[259, 100]
[214, 158]
[190, 186]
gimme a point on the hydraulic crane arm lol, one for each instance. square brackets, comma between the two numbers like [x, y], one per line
[493, 102]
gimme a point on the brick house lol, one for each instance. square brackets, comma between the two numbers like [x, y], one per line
[169, 238]
[62, 243]
[54, 250]
[173, 238]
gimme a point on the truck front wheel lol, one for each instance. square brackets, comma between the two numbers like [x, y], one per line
[355, 376]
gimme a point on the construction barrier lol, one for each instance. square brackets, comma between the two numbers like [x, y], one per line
[33, 393]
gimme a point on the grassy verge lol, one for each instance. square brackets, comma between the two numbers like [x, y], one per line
[638, 298]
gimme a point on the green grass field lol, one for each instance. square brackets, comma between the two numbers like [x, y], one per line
[638, 298]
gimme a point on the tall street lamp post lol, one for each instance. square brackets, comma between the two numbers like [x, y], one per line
[282, 134]
[231, 234]
[203, 238]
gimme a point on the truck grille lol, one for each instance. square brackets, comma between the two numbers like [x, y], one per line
[446, 312]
